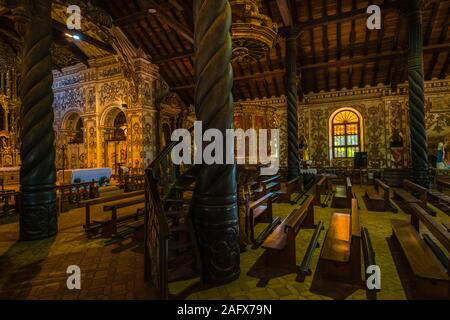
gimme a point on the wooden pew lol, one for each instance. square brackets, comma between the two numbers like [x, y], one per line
[259, 209]
[442, 184]
[117, 199]
[134, 182]
[343, 195]
[268, 184]
[446, 225]
[128, 212]
[341, 250]
[288, 188]
[406, 194]
[439, 199]
[378, 196]
[72, 194]
[319, 188]
[432, 279]
[280, 245]
[7, 197]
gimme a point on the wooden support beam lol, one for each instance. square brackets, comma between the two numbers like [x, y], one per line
[401, 55]
[177, 56]
[83, 37]
[343, 17]
[161, 14]
[285, 12]
[3, 10]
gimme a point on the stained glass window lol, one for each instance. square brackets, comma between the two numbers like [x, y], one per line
[346, 134]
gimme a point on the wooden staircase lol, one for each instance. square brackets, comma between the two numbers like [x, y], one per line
[171, 252]
[182, 255]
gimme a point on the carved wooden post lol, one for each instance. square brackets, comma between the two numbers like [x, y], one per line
[416, 96]
[38, 217]
[215, 199]
[292, 98]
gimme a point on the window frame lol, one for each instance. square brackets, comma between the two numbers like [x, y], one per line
[346, 135]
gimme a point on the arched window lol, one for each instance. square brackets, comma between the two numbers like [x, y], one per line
[346, 134]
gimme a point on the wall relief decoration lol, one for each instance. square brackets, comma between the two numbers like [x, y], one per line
[69, 99]
[113, 92]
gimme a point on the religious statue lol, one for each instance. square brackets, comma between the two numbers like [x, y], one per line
[4, 141]
[396, 139]
[440, 162]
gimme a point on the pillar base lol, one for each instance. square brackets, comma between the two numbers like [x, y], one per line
[217, 231]
[421, 177]
[38, 215]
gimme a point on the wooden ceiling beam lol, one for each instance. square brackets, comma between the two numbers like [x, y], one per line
[285, 12]
[343, 17]
[83, 37]
[3, 10]
[401, 55]
[161, 14]
[173, 57]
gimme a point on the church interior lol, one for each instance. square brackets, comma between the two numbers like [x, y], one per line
[354, 96]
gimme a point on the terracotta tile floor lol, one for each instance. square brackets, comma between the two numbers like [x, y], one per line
[37, 270]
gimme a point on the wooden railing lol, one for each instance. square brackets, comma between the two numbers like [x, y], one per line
[73, 194]
[134, 182]
[160, 178]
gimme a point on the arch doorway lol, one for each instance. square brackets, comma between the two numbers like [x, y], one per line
[115, 147]
[72, 150]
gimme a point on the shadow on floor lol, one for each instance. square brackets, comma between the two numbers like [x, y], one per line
[332, 288]
[260, 271]
[403, 269]
[16, 276]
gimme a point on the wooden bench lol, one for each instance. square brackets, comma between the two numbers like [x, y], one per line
[128, 212]
[288, 188]
[411, 193]
[432, 279]
[134, 182]
[8, 201]
[268, 185]
[440, 200]
[341, 250]
[446, 225]
[280, 244]
[442, 184]
[260, 209]
[378, 196]
[319, 189]
[343, 195]
[117, 199]
[72, 194]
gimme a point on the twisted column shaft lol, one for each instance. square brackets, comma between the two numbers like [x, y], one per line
[416, 97]
[215, 200]
[292, 98]
[38, 218]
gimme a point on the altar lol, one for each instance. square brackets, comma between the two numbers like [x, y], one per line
[10, 175]
[71, 176]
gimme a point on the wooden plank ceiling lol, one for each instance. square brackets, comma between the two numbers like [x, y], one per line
[336, 50]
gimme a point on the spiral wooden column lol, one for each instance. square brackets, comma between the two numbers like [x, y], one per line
[38, 218]
[215, 197]
[292, 98]
[416, 96]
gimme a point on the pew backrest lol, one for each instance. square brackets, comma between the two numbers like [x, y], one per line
[412, 187]
[355, 229]
[295, 219]
[267, 198]
[349, 193]
[94, 202]
[437, 229]
[381, 185]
